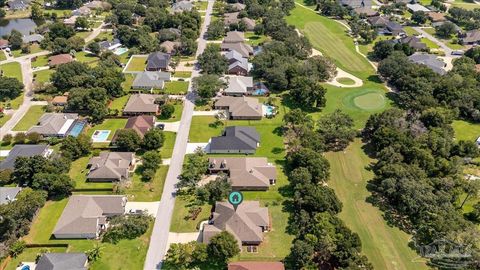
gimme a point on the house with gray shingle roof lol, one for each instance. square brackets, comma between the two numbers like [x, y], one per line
[247, 223]
[141, 104]
[230, 18]
[237, 6]
[238, 85]
[245, 173]
[54, 124]
[149, 80]
[356, 3]
[236, 139]
[62, 261]
[241, 47]
[181, 6]
[34, 38]
[471, 37]
[24, 150]
[240, 108]
[429, 60]
[111, 167]
[234, 37]
[8, 194]
[158, 61]
[86, 216]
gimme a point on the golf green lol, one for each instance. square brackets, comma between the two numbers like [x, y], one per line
[367, 100]
[345, 81]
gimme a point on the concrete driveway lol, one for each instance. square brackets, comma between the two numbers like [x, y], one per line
[182, 237]
[170, 126]
[206, 113]
[150, 207]
[191, 147]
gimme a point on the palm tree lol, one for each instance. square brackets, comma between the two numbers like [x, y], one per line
[94, 253]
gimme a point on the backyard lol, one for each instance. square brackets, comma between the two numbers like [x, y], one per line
[108, 124]
[43, 76]
[30, 119]
[136, 63]
[176, 88]
[466, 131]
[13, 70]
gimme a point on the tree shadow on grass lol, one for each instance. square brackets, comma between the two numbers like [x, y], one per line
[288, 102]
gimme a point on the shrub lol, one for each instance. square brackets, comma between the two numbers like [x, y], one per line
[17, 248]
[126, 227]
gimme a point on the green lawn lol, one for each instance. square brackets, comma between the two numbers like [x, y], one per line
[176, 88]
[40, 61]
[177, 115]
[78, 173]
[386, 247]
[127, 84]
[331, 38]
[29, 255]
[3, 56]
[137, 63]
[12, 69]
[147, 191]
[119, 103]
[14, 104]
[43, 76]
[30, 119]
[180, 220]
[182, 74]
[34, 48]
[466, 4]
[4, 119]
[86, 57]
[254, 39]
[201, 5]
[167, 148]
[108, 124]
[465, 130]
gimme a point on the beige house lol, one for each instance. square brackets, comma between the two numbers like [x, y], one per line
[111, 166]
[141, 104]
[240, 108]
[247, 224]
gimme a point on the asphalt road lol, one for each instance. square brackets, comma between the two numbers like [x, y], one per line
[159, 239]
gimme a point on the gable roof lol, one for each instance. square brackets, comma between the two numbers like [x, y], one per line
[230, 18]
[234, 37]
[378, 20]
[245, 171]
[8, 194]
[139, 103]
[236, 138]
[256, 266]
[170, 46]
[242, 63]
[158, 60]
[61, 261]
[141, 124]
[32, 38]
[238, 6]
[84, 213]
[23, 150]
[429, 60]
[60, 59]
[413, 42]
[54, 123]
[182, 6]
[472, 36]
[417, 7]
[150, 79]
[238, 84]
[250, 23]
[240, 106]
[244, 49]
[110, 165]
[356, 3]
[244, 224]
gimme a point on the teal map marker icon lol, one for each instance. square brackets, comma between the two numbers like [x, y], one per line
[235, 198]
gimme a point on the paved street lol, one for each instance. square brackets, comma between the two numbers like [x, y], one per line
[159, 239]
[446, 49]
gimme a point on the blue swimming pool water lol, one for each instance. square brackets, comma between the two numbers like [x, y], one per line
[100, 135]
[269, 110]
[120, 51]
[77, 128]
[259, 92]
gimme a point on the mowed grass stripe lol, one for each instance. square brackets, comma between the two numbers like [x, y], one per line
[386, 247]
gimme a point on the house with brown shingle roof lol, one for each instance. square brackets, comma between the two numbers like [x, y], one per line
[240, 108]
[140, 124]
[249, 23]
[230, 18]
[170, 46]
[86, 216]
[59, 59]
[471, 37]
[3, 44]
[247, 224]
[111, 167]
[256, 266]
[234, 37]
[245, 173]
[436, 16]
[60, 100]
[141, 104]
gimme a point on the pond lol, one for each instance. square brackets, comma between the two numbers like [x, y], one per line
[24, 26]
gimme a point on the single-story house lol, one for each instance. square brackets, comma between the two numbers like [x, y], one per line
[244, 49]
[245, 173]
[393, 28]
[55, 124]
[24, 150]
[412, 41]
[109, 45]
[417, 7]
[236, 139]
[356, 3]
[94, 4]
[18, 4]
[436, 16]
[141, 104]
[34, 38]
[247, 223]
[471, 37]
[170, 46]
[367, 11]
[429, 60]
[82, 11]
[240, 108]
[111, 166]
[149, 80]
[60, 100]
[458, 29]
[8, 194]
[256, 266]
[237, 6]
[3, 44]
[59, 59]
[230, 18]
[238, 85]
[378, 21]
[140, 124]
[234, 37]
[85, 216]
[249, 23]
[70, 21]
[57, 261]
[158, 61]
[181, 6]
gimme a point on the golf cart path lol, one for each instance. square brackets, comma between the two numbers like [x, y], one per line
[341, 74]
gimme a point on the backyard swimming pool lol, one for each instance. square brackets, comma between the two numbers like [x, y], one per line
[268, 110]
[120, 50]
[100, 135]
[77, 128]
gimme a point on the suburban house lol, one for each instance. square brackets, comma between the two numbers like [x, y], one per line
[85, 216]
[378, 21]
[237, 64]
[59, 59]
[436, 16]
[149, 80]
[8, 194]
[34, 38]
[170, 47]
[140, 124]
[256, 266]
[471, 37]
[94, 4]
[158, 61]
[393, 28]
[429, 60]
[141, 104]
[109, 45]
[417, 7]
[24, 150]
[356, 3]
[237, 6]
[245, 173]
[230, 18]
[111, 166]
[366, 11]
[82, 11]
[55, 124]
[236, 139]
[411, 41]
[238, 85]
[235, 40]
[249, 23]
[240, 108]
[18, 4]
[247, 223]
[57, 261]
[3, 44]
[234, 37]
[60, 100]
[181, 6]
[70, 21]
